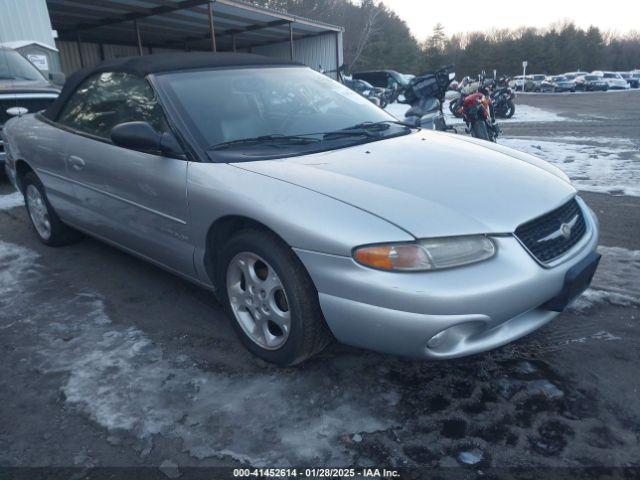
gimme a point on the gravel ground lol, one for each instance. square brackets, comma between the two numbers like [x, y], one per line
[109, 361]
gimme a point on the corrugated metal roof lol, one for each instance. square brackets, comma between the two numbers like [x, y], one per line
[171, 23]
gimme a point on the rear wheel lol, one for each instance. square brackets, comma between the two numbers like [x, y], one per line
[479, 130]
[510, 110]
[44, 220]
[455, 107]
[270, 298]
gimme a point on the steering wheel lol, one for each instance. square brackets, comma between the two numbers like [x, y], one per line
[306, 109]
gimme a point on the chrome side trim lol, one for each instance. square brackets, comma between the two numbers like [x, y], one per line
[111, 195]
[13, 96]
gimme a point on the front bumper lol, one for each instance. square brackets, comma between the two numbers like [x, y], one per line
[481, 306]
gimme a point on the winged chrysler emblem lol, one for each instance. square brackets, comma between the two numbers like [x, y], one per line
[564, 231]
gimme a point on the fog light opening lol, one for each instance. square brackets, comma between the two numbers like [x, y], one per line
[453, 337]
[436, 340]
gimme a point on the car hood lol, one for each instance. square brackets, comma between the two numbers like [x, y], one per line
[27, 86]
[431, 184]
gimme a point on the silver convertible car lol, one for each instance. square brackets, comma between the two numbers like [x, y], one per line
[311, 213]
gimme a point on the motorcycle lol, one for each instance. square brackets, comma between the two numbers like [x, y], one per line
[502, 98]
[466, 87]
[425, 94]
[479, 117]
[390, 95]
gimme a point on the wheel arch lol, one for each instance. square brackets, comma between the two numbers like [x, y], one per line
[222, 229]
[22, 168]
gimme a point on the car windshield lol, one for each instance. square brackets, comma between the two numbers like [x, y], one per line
[592, 77]
[14, 66]
[559, 79]
[273, 112]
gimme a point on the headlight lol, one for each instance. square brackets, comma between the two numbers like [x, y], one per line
[428, 254]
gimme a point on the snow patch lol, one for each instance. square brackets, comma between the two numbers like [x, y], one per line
[123, 381]
[524, 113]
[471, 457]
[602, 335]
[15, 264]
[11, 200]
[127, 383]
[608, 165]
[617, 280]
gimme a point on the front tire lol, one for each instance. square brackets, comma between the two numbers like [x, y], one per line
[270, 298]
[511, 109]
[44, 219]
[479, 130]
[453, 104]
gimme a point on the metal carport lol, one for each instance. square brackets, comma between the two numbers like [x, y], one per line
[93, 30]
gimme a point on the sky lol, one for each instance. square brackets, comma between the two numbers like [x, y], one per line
[472, 15]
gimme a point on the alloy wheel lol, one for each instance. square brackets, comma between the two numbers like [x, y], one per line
[258, 300]
[38, 211]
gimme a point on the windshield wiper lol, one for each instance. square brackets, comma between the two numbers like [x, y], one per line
[369, 129]
[270, 139]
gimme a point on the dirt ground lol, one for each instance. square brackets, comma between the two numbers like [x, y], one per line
[108, 361]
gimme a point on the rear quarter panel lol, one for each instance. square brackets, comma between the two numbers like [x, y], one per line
[43, 147]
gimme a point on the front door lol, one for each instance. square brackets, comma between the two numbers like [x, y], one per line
[135, 199]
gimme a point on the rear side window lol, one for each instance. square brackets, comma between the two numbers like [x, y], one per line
[105, 100]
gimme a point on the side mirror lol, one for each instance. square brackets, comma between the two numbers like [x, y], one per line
[57, 78]
[143, 137]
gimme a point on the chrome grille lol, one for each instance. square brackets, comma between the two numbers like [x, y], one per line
[544, 236]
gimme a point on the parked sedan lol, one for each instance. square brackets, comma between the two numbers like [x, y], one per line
[534, 82]
[310, 212]
[518, 83]
[613, 79]
[592, 83]
[558, 83]
[632, 79]
[22, 89]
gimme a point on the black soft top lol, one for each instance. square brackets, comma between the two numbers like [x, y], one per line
[158, 63]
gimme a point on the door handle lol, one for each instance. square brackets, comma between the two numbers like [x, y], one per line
[76, 163]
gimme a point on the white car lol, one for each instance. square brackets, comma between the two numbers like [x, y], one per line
[517, 83]
[614, 80]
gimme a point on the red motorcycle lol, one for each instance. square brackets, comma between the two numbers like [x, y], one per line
[478, 115]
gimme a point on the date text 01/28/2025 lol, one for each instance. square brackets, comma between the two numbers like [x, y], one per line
[286, 473]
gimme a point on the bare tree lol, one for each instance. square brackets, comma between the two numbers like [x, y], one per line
[369, 28]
